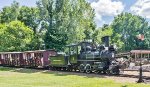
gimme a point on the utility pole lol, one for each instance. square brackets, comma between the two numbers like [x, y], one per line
[141, 38]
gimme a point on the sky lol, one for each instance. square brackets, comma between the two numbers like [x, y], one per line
[105, 10]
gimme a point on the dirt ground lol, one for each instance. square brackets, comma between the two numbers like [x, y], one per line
[126, 76]
[130, 77]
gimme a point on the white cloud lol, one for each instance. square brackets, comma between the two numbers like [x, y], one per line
[106, 8]
[98, 17]
[142, 8]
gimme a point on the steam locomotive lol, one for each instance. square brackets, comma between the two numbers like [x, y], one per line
[84, 56]
[87, 57]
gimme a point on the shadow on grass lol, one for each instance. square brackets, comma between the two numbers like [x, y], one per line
[5, 68]
[67, 73]
[56, 73]
[20, 70]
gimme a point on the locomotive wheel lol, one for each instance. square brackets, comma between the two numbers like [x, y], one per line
[57, 68]
[63, 69]
[88, 69]
[108, 72]
[96, 71]
[117, 72]
[81, 68]
[114, 70]
[70, 68]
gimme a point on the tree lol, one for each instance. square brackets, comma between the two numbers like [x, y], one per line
[48, 10]
[9, 13]
[66, 21]
[125, 28]
[105, 30]
[15, 36]
[81, 21]
[30, 17]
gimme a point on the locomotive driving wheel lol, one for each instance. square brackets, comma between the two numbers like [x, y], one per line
[88, 68]
[96, 71]
[81, 68]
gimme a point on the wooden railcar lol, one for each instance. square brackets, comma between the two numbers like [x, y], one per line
[1, 60]
[37, 58]
[11, 58]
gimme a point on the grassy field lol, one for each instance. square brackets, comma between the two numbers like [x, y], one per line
[16, 77]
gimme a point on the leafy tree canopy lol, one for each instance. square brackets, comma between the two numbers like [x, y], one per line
[125, 28]
[9, 13]
[14, 36]
[66, 21]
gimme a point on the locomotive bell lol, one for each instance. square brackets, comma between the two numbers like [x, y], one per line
[105, 41]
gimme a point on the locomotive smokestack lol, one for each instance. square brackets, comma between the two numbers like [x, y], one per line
[105, 41]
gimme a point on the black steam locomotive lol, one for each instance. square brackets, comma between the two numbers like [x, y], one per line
[87, 57]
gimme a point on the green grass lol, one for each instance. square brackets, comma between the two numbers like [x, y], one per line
[15, 77]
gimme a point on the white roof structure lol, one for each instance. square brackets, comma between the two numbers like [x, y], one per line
[140, 51]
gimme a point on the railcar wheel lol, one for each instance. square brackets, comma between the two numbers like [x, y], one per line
[54, 68]
[81, 68]
[50, 68]
[88, 68]
[58, 68]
